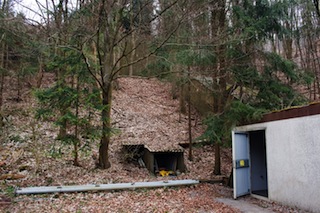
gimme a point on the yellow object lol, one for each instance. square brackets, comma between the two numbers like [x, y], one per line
[165, 173]
[241, 163]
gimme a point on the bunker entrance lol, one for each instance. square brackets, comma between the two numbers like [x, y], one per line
[163, 163]
[250, 163]
[259, 176]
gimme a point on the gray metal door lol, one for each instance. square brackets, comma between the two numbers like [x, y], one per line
[241, 169]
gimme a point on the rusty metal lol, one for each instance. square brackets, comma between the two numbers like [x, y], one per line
[294, 112]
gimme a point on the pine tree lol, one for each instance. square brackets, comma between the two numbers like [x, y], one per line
[74, 96]
[260, 80]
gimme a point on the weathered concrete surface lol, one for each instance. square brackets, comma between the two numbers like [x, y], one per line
[243, 206]
[293, 148]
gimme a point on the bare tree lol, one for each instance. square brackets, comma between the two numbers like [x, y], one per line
[111, 38]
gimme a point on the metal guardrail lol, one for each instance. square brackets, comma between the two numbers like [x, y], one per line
[103, 187]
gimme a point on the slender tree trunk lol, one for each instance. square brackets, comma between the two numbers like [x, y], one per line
[76, 143]
[18, 99]
[133, 53]
[189, 116]
[63, 126]
[104, 162]
[219, 77]
[1, 83]
[217, 160]
[315, 64]
[58, 14]
[312, 64]
[182, 104]
[2, 64]
[40, 74]
[106, 65]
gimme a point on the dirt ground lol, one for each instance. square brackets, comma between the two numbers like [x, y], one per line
[143, 110]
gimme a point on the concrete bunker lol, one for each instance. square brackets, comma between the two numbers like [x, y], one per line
[277, 157]
[171, 162]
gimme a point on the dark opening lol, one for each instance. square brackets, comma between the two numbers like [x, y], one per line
[172, 163]
[132, 153]
[165, 161]
[258, 162]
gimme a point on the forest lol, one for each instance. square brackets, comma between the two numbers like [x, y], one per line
[83, 80]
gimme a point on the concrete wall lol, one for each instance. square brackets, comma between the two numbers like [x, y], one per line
[293, 160]
[148, 159]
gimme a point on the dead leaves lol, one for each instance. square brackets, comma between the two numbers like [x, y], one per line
[10, 156]
[144, 111]
[11, 176]
[147, 114]
[2, 163]
[10, 159]
[5, 201]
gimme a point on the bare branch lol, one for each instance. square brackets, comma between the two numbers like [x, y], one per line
[155, 50]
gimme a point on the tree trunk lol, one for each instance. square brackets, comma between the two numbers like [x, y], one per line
[182, 104]
[219, 77]
[1, 84]
[104, 162]
[133, 53]
[63, 126]
[189, 116]
[76, 132]
[288, 41]
[40, 74]
[217, 159]
[18, 99]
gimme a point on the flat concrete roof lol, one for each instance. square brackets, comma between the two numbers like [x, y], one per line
[292, 112]
[156, 149]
